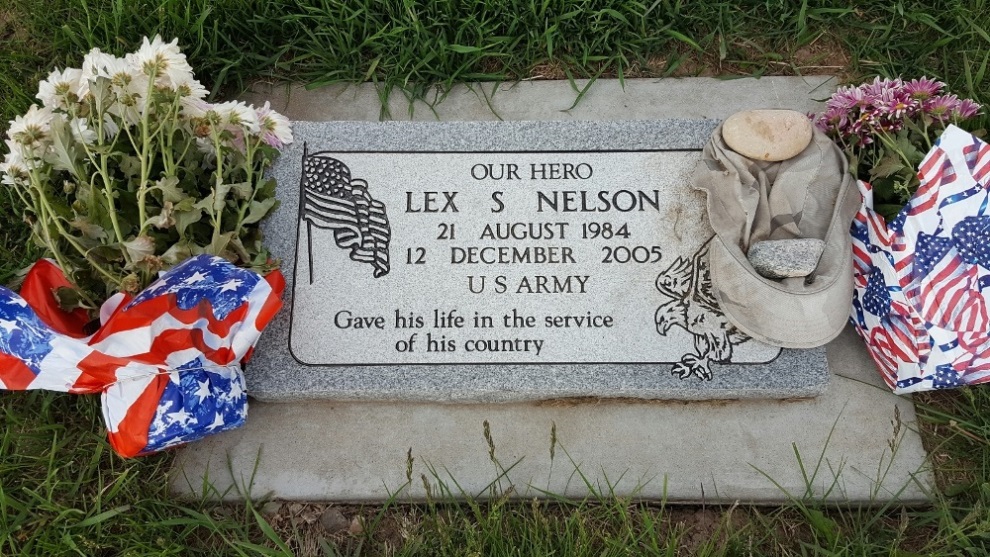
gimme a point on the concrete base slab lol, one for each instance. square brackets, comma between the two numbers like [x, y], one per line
[857, 443]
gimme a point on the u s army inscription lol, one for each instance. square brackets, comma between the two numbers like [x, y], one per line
[514, 258]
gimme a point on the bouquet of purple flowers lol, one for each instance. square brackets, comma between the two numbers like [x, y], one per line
[887, 126]
[921, 272]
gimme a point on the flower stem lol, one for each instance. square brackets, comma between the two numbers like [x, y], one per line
[250, 148]
[47, 215]
[145, 148]
[104, 173]
[217, 200]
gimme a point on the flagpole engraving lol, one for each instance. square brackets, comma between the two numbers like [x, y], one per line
[333, 200]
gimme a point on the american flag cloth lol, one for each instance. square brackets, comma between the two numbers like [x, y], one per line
[167, 362]
[334, 201]
[921, 299]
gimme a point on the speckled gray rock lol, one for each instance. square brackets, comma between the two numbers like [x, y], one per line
[334, 521]
[306, 354]
[767, 135]
[786, 258]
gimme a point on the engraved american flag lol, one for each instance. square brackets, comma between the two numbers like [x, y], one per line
[334, 201]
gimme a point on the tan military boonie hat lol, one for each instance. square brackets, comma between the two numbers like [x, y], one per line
[811, 195]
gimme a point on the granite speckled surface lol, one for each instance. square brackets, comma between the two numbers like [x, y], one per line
[275, 375]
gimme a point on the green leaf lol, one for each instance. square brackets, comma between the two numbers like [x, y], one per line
[242, 190]
[684, 39]
[130, 165]
[112, 253]
[177, 253]
[69, 299]
[169, 186]
[139, 248]
[216, 200]
[64, 153]
[105, 515]
[462, 49]
[616, 15]
[88, 228]
[266, 189]
[908, 149]
[207, 204]
[100, 89]
[888, 166]
[259, 209]
[238, 249]
[219, 243]
[183, 219]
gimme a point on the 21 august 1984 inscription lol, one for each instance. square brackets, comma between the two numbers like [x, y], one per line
[515, 258]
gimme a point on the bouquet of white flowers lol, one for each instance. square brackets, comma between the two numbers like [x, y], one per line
[125, 170]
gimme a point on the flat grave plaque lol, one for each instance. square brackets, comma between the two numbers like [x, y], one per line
[470, 262]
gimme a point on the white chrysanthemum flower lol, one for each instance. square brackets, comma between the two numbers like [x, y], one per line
[190, 88]
[100, 64]
[239, 115]
[195, 108]
[54, 92]
[33, 127]
[130, 102]
[127, 112]
[275, 128]
[94, 64]
[81, 132]
[14, 168]
[110, 127]
[191, 97]
[162, 60]
[205, 146]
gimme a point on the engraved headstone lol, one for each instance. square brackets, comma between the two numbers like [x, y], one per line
[504, 261]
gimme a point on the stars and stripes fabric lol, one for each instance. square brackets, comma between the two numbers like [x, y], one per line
[921, 281]
[167, 362]
[333, 200]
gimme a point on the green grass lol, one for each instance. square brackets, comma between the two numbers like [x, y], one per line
[62, 491]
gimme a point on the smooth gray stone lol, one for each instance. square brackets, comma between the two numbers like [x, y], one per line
[786, 258]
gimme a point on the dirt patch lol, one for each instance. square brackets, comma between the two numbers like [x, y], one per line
[825, 55]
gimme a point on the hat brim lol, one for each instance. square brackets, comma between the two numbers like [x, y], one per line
[771, 313]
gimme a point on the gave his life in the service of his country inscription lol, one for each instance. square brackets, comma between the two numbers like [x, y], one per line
[516, 258]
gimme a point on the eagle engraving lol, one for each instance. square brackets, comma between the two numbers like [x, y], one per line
[693, 307]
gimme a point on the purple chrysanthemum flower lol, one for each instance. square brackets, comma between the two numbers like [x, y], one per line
[848, 98]
[833, 119]
[896, 103]
[966, 109]
[923, 89]
[878, 86]
[941, 107]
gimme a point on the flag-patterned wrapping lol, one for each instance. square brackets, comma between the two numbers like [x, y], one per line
[332, 200]
[167, 362]
[921, 282]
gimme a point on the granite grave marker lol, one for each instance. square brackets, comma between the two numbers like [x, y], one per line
[504, 261]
